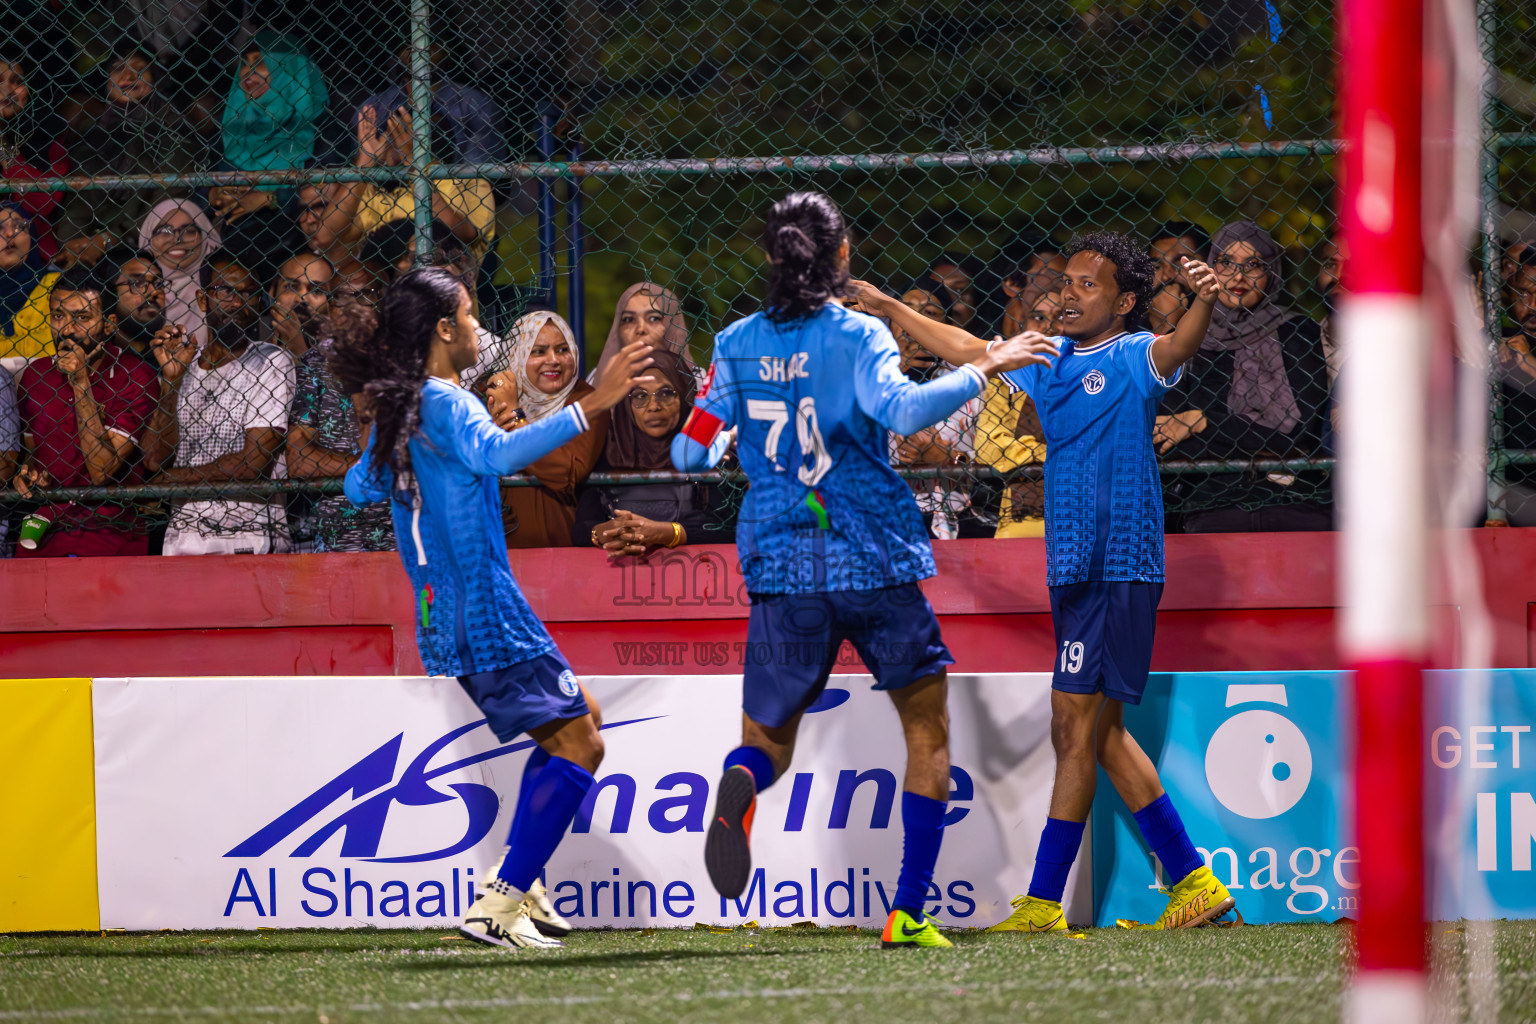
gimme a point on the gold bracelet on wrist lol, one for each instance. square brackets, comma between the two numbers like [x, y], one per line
[677, 535]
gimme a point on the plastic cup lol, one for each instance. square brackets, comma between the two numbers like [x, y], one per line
[32, 529]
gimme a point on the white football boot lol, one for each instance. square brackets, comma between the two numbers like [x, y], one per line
[500, 919]
[539, 906]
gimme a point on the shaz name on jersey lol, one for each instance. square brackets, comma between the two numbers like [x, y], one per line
[776, 370]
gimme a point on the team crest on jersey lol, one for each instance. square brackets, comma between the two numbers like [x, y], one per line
[1093, 383]
[568, 684]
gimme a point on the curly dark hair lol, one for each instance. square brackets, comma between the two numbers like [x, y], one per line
[382, 354]
[804, 232]
[1134, 268]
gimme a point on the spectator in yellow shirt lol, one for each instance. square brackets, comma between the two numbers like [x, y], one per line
[24, 286]
[1008, 436]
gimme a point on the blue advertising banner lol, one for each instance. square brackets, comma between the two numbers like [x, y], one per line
[1480, 805]
[1257, 764]
[1254, 762]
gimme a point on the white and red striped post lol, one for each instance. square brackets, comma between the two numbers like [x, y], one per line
[1383, 500]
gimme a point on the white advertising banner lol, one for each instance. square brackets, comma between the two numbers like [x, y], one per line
[336, 802]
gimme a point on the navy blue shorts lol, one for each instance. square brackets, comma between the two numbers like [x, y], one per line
[793, 640]
[526, 695]
[1104, 637]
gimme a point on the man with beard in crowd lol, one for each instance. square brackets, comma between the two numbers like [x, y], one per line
[223, 419]
[300, 299]
[138, 297]
[85, 410]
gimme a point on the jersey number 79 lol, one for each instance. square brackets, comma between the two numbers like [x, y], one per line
[807, 430]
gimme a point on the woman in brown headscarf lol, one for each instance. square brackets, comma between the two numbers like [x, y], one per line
[652, 312]
[632, 519]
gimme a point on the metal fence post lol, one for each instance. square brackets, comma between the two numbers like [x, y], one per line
[547, 208]
[575, 298]
[421, 124]
[1492, 264]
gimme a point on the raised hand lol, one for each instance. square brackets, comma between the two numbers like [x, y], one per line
[371, 143]
[866, 298]
[1202, 279]
[1027, 349]
[174, 350]
[502, 400]
[398, 129]
[618, 378]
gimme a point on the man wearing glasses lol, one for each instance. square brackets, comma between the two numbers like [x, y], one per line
[222, 419]
[83, 412]
[138, 300]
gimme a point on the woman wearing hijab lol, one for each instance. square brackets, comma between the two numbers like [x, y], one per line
[269, 124]
[30, 141]
[24, 286]
[634, 519]
[181, 236]
[269, 116]
[1257, 389]
[134, 130]
[650, 312]
[539, 381]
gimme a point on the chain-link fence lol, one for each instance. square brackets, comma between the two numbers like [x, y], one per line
[190, 189]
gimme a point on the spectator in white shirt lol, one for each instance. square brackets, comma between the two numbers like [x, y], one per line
[223, 414]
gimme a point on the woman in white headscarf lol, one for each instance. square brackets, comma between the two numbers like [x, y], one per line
[540, 379]
[181, 236]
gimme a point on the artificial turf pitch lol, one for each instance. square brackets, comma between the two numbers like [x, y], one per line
[1275, 973]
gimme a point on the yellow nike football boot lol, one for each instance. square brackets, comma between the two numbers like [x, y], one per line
[1033, 915]
[1198, 899]
[902, 932]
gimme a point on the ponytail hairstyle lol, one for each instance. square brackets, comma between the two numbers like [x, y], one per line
[381, 356]
[805, 231]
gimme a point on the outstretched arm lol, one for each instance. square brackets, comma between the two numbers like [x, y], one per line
[950, 344]
[906, 407]
[1172, 351]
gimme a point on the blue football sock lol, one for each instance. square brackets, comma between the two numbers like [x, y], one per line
[540, 821]
[1058, 849]
[1164, 832]
[754, 760]
[536, 760]
[922, 821]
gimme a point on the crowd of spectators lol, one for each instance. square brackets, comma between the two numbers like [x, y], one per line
[179, 336]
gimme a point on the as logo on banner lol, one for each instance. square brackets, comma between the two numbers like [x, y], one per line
[375, 791]
[1258, 763]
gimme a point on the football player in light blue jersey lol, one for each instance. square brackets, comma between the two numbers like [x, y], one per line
[1104, 553]
[434, 454]
[832, 544]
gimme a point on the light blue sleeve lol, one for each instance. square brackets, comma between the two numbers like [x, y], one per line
[487, 450]
[901, 405]
[363, 485]
[702, 442]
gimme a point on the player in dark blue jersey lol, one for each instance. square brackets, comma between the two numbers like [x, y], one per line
[434, 454]
[832, 544]
[1104, 552]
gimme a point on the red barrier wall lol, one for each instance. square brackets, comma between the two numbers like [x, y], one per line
[1245, 601]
